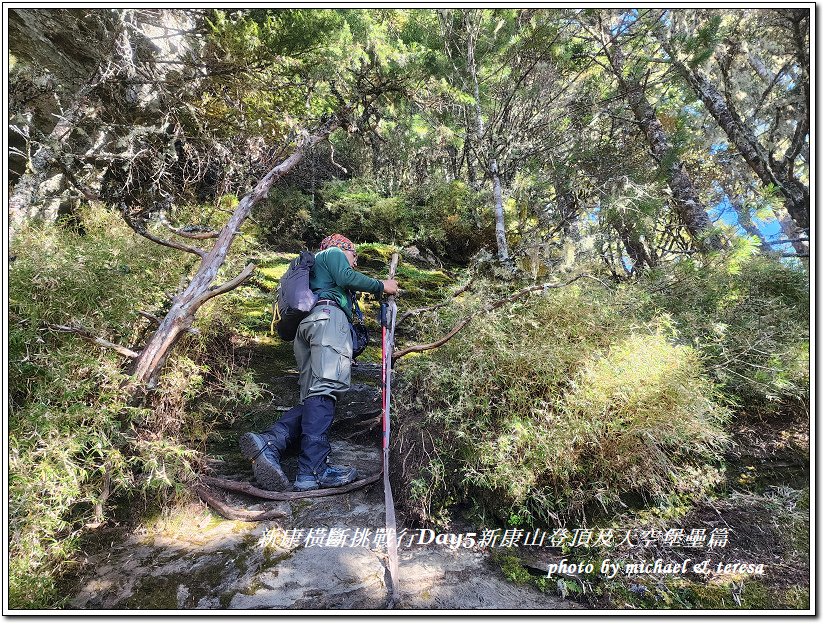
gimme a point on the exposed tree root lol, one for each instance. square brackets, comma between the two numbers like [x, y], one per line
[251, 490]
[236, 514]
[365, 427]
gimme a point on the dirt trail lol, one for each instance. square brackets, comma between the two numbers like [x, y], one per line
[326, 553]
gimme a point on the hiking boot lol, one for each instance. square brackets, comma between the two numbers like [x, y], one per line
[330, 477]
[264, 453]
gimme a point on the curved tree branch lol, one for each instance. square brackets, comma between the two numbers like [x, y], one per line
[141, 229]
[87, 192]
[87, 335]
[251, 490]
[225, 286]
[149, 316]
[199, 290]
[237, 514]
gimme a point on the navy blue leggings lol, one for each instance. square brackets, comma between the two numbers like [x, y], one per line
[308, 423]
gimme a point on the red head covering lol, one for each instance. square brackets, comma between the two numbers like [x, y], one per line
[337, 240]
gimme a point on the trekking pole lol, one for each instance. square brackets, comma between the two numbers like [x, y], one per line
[389, 311]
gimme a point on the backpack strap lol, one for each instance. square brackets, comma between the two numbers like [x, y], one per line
[356, 308]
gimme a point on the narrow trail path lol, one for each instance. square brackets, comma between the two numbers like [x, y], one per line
[325, 553]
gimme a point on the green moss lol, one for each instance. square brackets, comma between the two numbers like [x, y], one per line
[155, 592]
[422, 287]
[511, 567]
[270, 270]
[686, 594]
[375, 254]
[160, 592]
[273, 556]
[252, 589]
[253, 301]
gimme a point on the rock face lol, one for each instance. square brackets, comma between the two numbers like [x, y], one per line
[337, 578]
[72, 73]
[327, 553]
[233, 565]
[64, 42]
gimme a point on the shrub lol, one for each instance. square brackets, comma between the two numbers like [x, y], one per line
[553, 406]
[748, 319]
[74, 439]
[285, 218]
[443, 217]
[357, 208]
[451, 219]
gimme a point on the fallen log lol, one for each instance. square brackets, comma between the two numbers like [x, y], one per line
[251, 490]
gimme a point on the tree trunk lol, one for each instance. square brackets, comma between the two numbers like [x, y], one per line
[500, 227]
[634, 246]
[567, 203]
[796, 195]
[758, 65]
[691, 211]
[492, 163]
[199, 291]
[792, 232]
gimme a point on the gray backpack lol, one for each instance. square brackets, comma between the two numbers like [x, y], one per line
[294, 297]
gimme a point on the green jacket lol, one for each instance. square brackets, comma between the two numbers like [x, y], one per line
[332, 277]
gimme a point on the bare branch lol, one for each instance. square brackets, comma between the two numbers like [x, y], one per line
[456, 294]
[199, 289]
[88, 193]
[189, 231]
[194, 235]
[141, 229]
[225, 287]
[432, 345]
[332, 158]
[87, 335]
[791, 240]
[149, 316]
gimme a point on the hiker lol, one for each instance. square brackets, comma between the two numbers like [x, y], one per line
[323, 350]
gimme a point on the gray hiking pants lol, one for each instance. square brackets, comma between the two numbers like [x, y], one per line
[323, 350]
